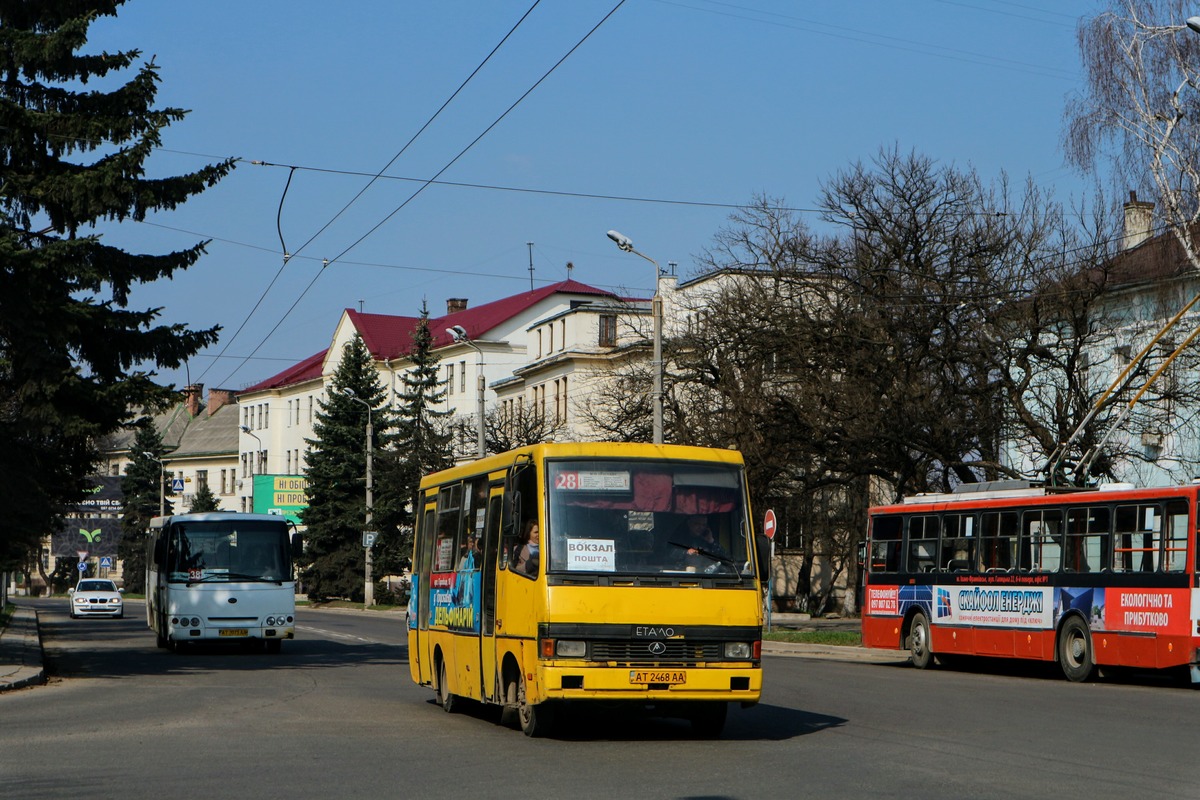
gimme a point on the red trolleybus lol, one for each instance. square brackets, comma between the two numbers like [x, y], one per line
[1103, 577]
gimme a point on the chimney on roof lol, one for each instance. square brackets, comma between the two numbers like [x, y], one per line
[456, 304]
[217, 398]
[192, 396]
[1139, 217]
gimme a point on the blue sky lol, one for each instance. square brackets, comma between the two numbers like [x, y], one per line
[686, 107]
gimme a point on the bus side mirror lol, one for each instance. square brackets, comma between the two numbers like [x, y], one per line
[297, 546]
[762, 555]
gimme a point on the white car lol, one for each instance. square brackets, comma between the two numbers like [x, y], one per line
[96, 597]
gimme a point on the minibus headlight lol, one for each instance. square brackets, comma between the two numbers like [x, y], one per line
[737, 650]
[570, 648]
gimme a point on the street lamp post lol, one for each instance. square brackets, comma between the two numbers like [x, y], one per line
[626, 244]
[246, 430]
[459, 334]
[162, 480]
[369, 588]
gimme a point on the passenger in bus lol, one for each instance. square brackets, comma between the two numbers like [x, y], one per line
[527, 551]
[471, 557]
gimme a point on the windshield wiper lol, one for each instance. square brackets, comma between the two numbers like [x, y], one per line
[235, 576]
[714, 556]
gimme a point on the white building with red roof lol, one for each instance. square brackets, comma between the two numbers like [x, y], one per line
[538, 349]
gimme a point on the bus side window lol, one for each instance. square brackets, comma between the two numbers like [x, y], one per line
[1136, 538]
[1176, 538]
[885, 544]
[923, 535]
[1041, 541]
[958, 549]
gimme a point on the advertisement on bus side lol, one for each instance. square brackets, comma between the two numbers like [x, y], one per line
[454, 599]
[1164, 611]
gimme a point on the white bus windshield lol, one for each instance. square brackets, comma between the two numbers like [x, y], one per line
[646, 518]
[211, 551]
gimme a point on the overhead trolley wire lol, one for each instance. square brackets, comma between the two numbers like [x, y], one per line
[327, 262]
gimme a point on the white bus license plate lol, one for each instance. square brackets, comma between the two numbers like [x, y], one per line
[657, 676]
[234, 632]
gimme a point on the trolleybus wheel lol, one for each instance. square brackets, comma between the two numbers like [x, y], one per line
[918, 642]
[445, 697]
[273, 646]
[1075, 650]
[536, 720]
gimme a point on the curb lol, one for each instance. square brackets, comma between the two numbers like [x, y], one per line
[862, 655]
[21, 661]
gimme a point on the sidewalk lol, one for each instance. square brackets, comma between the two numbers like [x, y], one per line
[21, 651]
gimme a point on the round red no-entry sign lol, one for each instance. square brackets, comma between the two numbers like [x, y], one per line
[769, 524]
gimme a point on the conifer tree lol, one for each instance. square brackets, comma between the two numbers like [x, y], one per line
[336, 471]
[204, 500]
[74, 358]
[423, 444]
[141, 485]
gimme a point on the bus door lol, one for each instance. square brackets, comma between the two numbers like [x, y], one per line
[487, 631]
[421, 593]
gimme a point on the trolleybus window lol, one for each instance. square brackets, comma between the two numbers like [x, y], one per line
[959, 549]
[923, 535]
[999, 542]
[1137, 531]
[885, 544]
[1176, 538]
[1087, 540]
[1041, 541]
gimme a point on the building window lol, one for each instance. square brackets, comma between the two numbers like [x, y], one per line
[550, 334]
[608, 330]
[201, 479]
[562, 334]
[462, 377]
[450, 379]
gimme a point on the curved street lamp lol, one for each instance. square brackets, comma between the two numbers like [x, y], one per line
[626, 244]
[459, 334]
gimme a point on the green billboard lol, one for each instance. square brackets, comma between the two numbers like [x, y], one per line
[285, 495]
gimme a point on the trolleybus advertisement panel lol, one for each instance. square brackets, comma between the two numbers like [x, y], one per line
[1166, 611]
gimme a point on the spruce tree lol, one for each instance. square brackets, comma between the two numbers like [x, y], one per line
[204, 500]
[141, 485]
[423, 444]
[336, 471]
[74, 358]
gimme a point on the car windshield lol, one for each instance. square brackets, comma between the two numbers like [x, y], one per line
[96, 586]
[228, 550]
[647, 518]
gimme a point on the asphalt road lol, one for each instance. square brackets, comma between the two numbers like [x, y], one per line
[335, 715]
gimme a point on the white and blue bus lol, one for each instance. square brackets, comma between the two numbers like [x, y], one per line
[221, 577]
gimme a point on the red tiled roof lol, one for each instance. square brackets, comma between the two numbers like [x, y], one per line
[388, 337]
[306, 370]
